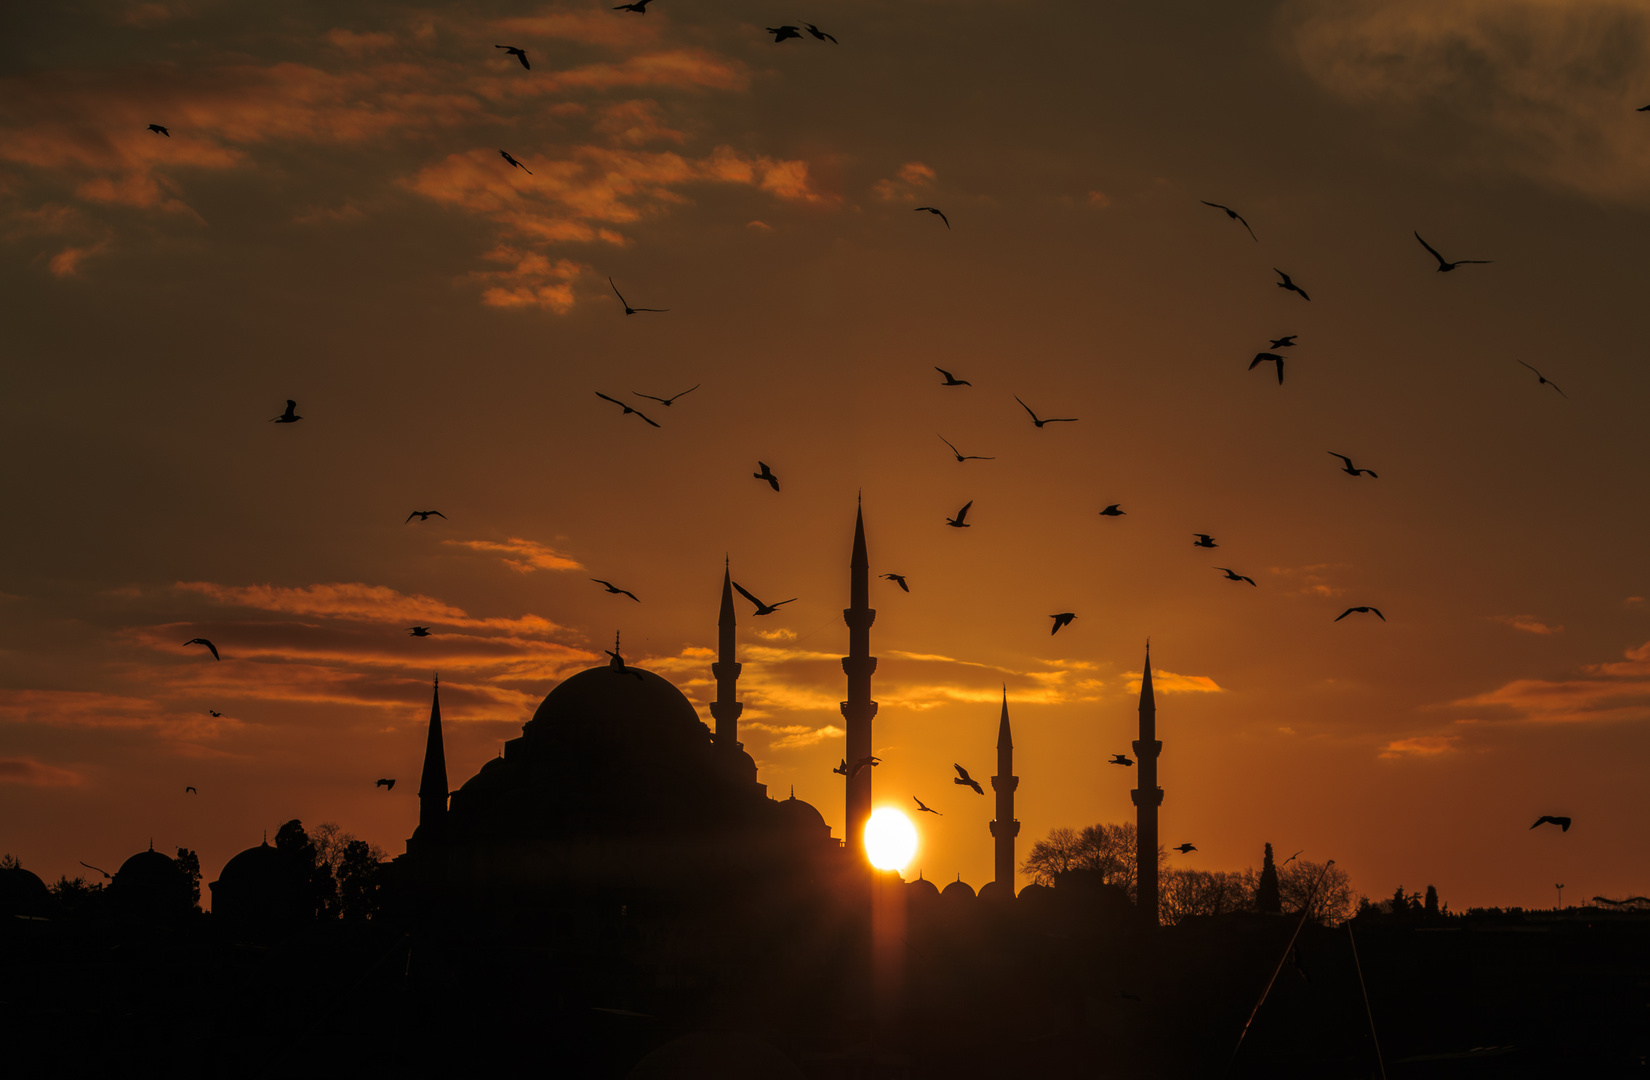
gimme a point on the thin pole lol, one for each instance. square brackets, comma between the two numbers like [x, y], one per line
[1376, 1039]
[1306, 907]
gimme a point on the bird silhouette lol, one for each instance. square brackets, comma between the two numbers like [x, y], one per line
[519, 54]
[628, 310]
[820, 34]
[667, 401]
[1234, 215]
[1547, 382]
[1268, 358]
[963, 778]
[898, 579]
[1445, 266]
[766, 474]
[424, 515]
[761, 608]
[842, 769]
[1233, 575]
[213, 712]
[1350, 470]
[612, 588]
[1120, 759]
[1291, 858]
[419, 631]
[1284, 342]
[1545, 819]
[1363, 610]
[952, 380]
[924, 808]
[1185, 849]
[1035, 419]
[1062, 619]
[863, 763]
[934, 210]
[160, 129]
[290, 416]
[506, 156]
[781, 33]
[208, 644]
[1288, 284]
[89, 866]
[1113, 511]
[639, 7]
[1204, 540]
[962, 456]
[388, 785]
[190, 791]
[958, 522]
[628, 410]
[1645, 108]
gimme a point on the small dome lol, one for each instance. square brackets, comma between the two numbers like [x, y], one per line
[262, 888]
[995, 892]
[150, 885]
[922, 890]
[23, 893]
[803, 817]
[957, 890]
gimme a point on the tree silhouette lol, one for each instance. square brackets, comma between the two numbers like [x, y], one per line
[1331, 903]
[8, 861]
[1267, 899]
[1430, 907]
[190, 864]
[1204, 892]
[360, 877]
[322, 888]
[1109, 849]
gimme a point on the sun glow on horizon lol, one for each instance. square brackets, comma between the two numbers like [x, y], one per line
[890, 839]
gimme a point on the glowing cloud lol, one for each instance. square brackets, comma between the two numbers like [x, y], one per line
[1528, 623]
[1420, 746]
[24, 770]
[522, 556]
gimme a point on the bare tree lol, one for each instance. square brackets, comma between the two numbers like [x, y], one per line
[1204, 892]
[1333, 900]
[1108, 849]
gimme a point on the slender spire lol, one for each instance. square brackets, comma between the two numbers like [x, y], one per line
[726, 708]
[1005, 739]
[432, 787]
[859, 594]
[859, 710]
[1147, 798]
[1004, 828]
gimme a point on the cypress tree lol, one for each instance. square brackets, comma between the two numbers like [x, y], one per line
[1267, 899]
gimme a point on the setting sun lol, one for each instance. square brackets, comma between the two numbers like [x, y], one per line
[890, 839]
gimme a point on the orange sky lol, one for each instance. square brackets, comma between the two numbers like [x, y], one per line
[330, 221]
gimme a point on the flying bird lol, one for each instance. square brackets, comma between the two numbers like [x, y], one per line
[925, 808]
[780, 33]
[820, 34]
[419, 631]
[290, 416]
[628, 410]
[898, 579]
[208, 644]
[190, 790]
[958, 522]
[665, 401]
[766, 474]
[519, 54]
[612, 588]
[1120, 759]
[388, 785]
[963, 778]
[842, 768]
[1364, 610]
[1285, 341]
[1234, 215]
[1349, 470]
[89, 866]
[1548, 819]
[1646, 108]
[424, 515]
[863, 763]
[1444, 266]
[160, 129]
[1547, 382]
[1204, 540]
[1233, 575]
[213, 712]
[1035, 419]
[628, 310]
[962, 456]
[1062, 619]
[952, 380]
[1268, 358]
[1113, 511]
[1286, 283]
[639, 7]
[933, 210]
[1185, 849]
[1291, 858]
[506, 156]
[761, 608]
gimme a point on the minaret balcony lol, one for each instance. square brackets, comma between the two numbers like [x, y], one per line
[1005, 783]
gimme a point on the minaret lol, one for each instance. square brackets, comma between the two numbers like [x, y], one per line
[859, 710]
[1147, 798]
[726, 708]
[1005, 828]
[432, 787]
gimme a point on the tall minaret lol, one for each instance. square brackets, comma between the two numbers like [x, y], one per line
[432, 787]
[1005, 828]
[859, 710]
[1147, 798]
[726, 708]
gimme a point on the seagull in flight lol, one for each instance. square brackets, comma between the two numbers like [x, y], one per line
[625, 407]
[639, 7]
[388, 785]
[665, 401]
[863, 763]
[290, 416]
[1035, 419]
[842, 769]
[160, 129]
[213, 712]
[1363, 610]
[89, 866]
[419, 631]
[1113, 511]
[781, 33]
[190, 790]
[208, 644]
[898, 579]
[1547, 382]
[519, 54]
[1062, 619]
[1204, 540]
[1444, 266]
[761, 608]
[628, 310]
[1234, 215]
[958, 522]
[612, 588]
[1285, 341]
[506, 156]
[1268, 358]
[952, 380]
[820, 34]
[424, 515]
[963, 778]
[962, 456]
[934, 210]
[766, 474]
[924, 808]
[1350, 470]
[1545, 819]
[1233, 575]
[1185, 849]
[1291, 858]
[1120, 759]
[1288, 284]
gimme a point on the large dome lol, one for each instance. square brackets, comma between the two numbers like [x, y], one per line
[631, 703]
